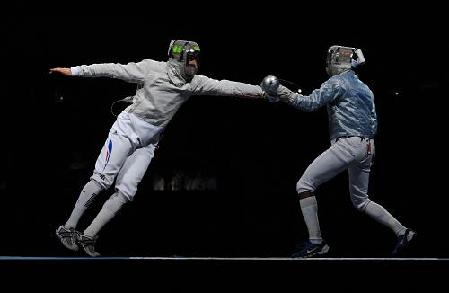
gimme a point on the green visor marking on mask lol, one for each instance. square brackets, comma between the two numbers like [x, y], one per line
[177, 49]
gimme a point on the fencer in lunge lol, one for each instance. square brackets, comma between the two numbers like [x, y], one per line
[353, 126]
[129, 148]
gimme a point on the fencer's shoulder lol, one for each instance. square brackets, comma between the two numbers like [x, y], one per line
[153, 63]
[339, 78]
[148, 60]
[335, 81]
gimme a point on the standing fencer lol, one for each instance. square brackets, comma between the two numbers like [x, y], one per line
[353, 125]
[129, 148]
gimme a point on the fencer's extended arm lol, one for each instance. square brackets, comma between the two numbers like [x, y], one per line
[131, 72]
[328, 92]
[203, 85]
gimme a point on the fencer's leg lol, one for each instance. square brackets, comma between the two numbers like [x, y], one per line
[381, 215]
[128, 178]
[88, 194]
[326, 166]
[134, 170]
[315, 245]
[358, 188]
[107, 212]
[309, 208]
[112, 156]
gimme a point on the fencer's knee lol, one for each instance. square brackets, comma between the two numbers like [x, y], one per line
[125, 194]
[305, 194]
[89, 193]
[115, 202]
[103, 180]
[304, 185]
[127, 188]
[360, 203]
[122, 198]
[97, 185]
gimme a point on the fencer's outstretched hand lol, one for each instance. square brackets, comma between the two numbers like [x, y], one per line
[286, 95]
[61, 70]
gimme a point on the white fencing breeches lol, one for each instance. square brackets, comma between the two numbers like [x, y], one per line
[123, 157]
[353, 154]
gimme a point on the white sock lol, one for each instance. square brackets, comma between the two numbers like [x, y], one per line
[381, 215]
[108, 211]
[90, 191]
[309, 208]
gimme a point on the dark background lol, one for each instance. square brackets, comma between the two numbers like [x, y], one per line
[54, 127]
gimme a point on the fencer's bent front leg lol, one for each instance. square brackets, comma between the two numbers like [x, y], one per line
[326, 166]
[323, 168]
